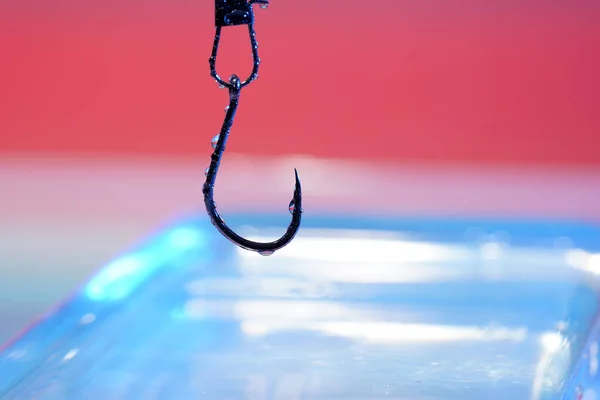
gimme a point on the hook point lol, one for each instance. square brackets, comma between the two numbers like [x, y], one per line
[297, 177]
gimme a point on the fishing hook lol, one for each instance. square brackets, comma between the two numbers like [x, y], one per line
[230, 13]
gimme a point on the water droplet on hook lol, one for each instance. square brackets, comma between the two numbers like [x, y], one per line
[266, 252]
[206, 171]
[221, 86]
[292, 206]
[264, 5]
[214, 141]
[226, 108]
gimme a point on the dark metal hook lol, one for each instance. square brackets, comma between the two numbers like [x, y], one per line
[227, 13]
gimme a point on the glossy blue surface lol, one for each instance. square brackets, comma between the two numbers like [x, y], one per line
[354, 308]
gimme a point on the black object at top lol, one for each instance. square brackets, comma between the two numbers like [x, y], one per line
[235, 12]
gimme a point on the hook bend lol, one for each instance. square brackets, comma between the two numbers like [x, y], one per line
[219, 144]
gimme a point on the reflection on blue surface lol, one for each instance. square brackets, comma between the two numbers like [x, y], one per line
[352, 309]
[117, 280]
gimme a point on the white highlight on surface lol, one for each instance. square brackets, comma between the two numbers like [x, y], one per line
[388, 332]
[88, 319]
[366, 323]
[354, 256]
[491, 250]
[552, 364]
[363, 256]
[551, 342]
[255, 286]
[15, 355]
[593, 357]
[69, 356]
[365, 250]
[584, 260]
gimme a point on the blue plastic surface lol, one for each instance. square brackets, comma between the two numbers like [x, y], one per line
[354, 308]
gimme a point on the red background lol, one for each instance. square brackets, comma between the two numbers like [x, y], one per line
[453, 80]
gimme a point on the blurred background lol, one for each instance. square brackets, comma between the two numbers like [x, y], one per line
[430, 107]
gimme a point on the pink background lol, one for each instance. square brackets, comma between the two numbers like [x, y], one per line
[463, 80]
